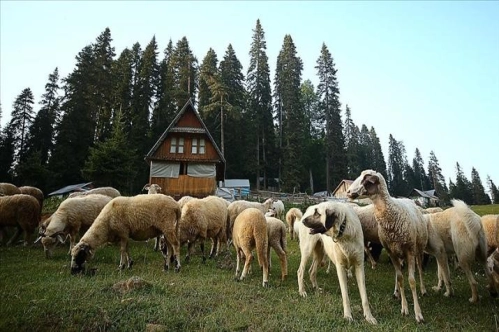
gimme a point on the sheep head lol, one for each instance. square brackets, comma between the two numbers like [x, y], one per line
[493, 266]
[79, 255]
[49, 242]
[365, 185]
[152, 188]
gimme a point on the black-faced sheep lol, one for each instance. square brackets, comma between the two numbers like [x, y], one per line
[20, 211]
[138, 218]
[108, 191]
[276, 231]
[72, 216]
[340, 223]
[402, 231]
[249, 233]
[457, 230]
[490, 224]
[293, 215]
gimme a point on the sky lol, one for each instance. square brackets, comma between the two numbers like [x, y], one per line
[426, 72]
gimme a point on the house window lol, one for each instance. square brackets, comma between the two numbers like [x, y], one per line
[198, 146]
[177, 146]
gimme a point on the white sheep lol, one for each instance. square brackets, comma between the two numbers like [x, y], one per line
[278, 207]
[292, 216]
[276, 231]
[152, 188]
[369, 228]
[236, 207]
[402, 231]
[74, 214]
[249, 233]
[457, 230]
[490, 224]
[493, 270]
[138, 218]
[108, 191]
[20, 211]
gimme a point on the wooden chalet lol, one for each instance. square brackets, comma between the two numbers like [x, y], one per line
[186, 160]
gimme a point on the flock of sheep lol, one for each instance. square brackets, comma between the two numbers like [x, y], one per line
[339, 231]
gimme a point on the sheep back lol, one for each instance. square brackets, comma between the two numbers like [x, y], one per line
[35, 192]
[250, 232]
[108, 191]
[490, 224]
[8, 189]
[20, 210]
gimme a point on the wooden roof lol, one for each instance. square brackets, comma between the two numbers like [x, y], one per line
[189, 106]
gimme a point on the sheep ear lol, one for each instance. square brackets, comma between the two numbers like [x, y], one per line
[330, 219]
[38, 239]
[146, 187]
[371, 179]
[59, 237]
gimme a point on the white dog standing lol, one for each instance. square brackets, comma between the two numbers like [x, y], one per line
[344, 244]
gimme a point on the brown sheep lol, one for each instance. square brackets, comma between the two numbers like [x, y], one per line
[250, 232]
[35, 192]
[236, 207]
[402, 231]
[8, 189]
[276, 231]
[20, 211]
[138, 218]
[293, 215]
[490, 224]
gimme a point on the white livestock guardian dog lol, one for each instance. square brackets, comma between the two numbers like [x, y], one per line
[340, 230]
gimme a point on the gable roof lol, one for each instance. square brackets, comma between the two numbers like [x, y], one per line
[71, 188]
[427, 194]
[172, 128]
[346, 182]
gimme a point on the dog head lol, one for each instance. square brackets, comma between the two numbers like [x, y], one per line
[320, 218]
[365, 185]
[79, 255]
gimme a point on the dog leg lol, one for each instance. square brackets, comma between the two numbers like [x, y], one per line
[342, 278]
[361, 283]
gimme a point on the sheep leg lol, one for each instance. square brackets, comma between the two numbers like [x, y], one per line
[15, 236]
[215, 244]
[341, 271]
[361, 283]
[189, 252]
[247, 264]
[411, 262]
[201, 246]
[419, 262]
[443, 274]
[369, 256]
[238, 261]
[399, 285]
[156, 243]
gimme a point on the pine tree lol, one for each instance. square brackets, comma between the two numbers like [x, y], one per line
[260, 107]
[397, 167]
[208, 70]
[494, 192]
[478, 191]
[185, 67]
[420, 178]
[463, 186]
[22, 117]
[7, 151]
[378, 159]
[328, 91]
[437, 180]
[123, 72]
[290, 116]
[352, 138]
[112, 162]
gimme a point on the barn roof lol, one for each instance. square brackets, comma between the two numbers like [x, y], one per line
[427, 194]
[72, 188]
[346, 182]
[173, 128]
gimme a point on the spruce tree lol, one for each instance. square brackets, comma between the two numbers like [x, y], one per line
[494, 192]
[478, 191]
[463, 186]
[259, 114]
[185, 67]
[207, 71]
[397, 167]
[22, 117]
[378, 159]
[437, 180]
[420, 178]
[329, 93]
[7, 151]
[290, 116]
[352, 138]
[123, 72]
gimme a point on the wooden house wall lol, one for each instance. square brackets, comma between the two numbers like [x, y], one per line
[186, 185]
[189, 120]
[163, 152]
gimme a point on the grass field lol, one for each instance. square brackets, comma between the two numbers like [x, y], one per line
[40, 295]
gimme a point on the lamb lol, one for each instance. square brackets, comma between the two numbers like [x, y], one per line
[236, 207]
[457, 230]
[8, 189]
[402, 231]
[72, 215]
[490, 224]
[20, 211]
[276, 231]
[293, 215]
[250, 232]
[35, 192]
[138, 218]
[278, 207]
[108, 191]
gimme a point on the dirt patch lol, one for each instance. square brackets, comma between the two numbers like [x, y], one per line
[130, 284]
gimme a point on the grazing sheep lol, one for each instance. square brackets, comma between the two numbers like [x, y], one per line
[108, 191]
[152, 188]
[8, 189]
[339, 222]
[402, 231]
[369, 228]
[183, 200]
[20, 211]
[493, 270]
[250, 232]
[293, 215]
[72, 215]
[236, 207]
[276, 231]
[35, 192]
[490, 224]
[138, 218]
[278, 207]
[457, 230]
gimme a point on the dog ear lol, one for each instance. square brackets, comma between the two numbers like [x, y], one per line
[330, 219]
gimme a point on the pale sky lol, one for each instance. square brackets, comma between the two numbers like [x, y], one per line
[426, 72]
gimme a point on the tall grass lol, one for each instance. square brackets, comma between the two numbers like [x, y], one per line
[38, 294]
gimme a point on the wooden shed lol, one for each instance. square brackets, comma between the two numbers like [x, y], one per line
[186, 160]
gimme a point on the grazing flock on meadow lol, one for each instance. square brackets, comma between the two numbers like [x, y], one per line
[341, 233]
